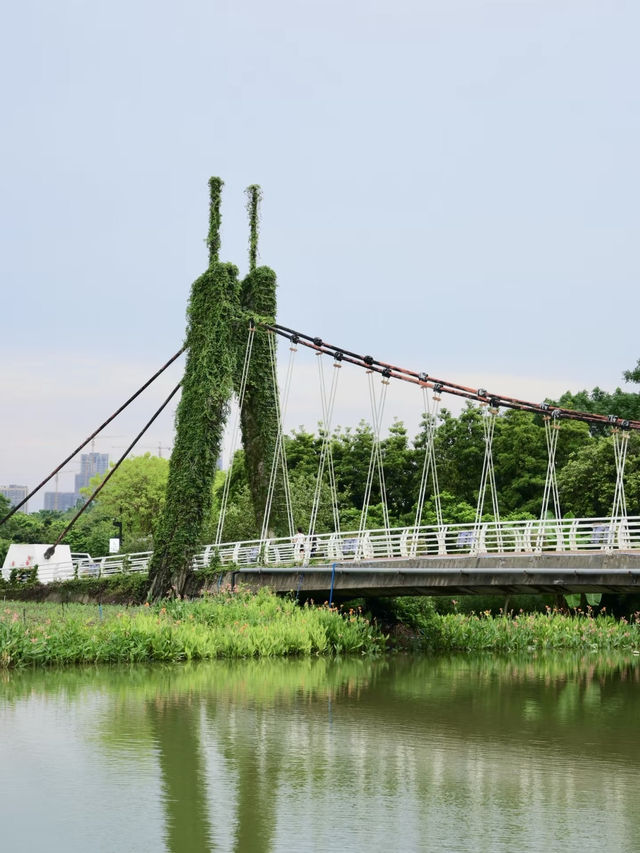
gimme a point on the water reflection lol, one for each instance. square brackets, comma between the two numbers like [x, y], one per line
[401, 753]
[175, 728]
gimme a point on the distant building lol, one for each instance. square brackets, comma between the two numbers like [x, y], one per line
[90, 465]
[61, 501]
[15, 494]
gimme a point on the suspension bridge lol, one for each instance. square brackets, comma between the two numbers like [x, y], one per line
[548, 554]
[551, 554]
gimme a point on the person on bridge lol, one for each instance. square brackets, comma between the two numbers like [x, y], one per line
[298, 547]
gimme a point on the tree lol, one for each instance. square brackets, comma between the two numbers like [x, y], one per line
[92, 531]
[521, 458]
[135, 495]
[459, 447]
[623, 404]
[633, 375]
[587, 481]
[402, 471]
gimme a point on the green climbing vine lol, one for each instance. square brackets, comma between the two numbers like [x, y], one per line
[220, 312]
[258, 418]
[215, 217]
[254, 197]
[213, 319]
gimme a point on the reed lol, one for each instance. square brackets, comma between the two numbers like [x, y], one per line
[522, 632]
[228, 625]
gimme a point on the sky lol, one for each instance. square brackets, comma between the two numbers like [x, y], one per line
[449, 185]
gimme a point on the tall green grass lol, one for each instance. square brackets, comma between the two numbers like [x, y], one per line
[228, 625]
[578, 631]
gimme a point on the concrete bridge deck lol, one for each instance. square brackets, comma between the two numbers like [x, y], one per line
[487, 574]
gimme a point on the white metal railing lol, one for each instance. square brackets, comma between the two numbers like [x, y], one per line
[594, 535]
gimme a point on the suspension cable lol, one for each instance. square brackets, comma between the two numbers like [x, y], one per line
[235, 432]
[375, 460]
[279, 453]
[49, 552]
[551, 431]
[326, 456]
[429, 464]
[80, 447]
[488, 478]
[619, 507]
[620, 447]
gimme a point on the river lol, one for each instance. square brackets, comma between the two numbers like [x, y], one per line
[403, 753]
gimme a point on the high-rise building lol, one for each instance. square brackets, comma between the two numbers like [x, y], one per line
[15, 494]
[90, 465]
[61, 501]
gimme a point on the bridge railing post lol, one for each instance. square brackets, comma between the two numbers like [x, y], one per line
[526, 536]
[334, 547]
[480, 539]
[405, 551]
[573, 535]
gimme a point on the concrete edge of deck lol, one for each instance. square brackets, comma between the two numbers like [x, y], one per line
[486, 574]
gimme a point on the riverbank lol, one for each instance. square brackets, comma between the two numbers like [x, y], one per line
[228, 625]
[522, 632]
[240, 624]
[416, 624]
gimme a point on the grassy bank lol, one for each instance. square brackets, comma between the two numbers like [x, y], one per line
[229, 625]
[522, 632]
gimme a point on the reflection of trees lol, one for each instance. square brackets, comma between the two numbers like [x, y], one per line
[175, 724]
[408, 726]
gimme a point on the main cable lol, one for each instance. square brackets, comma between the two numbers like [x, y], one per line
[424, 380]
[15, 508]
[49, 552]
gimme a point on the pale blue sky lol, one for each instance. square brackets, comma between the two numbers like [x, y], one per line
[452, 185]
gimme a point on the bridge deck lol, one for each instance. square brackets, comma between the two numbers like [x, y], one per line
[488, 574]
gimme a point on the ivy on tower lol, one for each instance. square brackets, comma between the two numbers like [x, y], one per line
[213, 320]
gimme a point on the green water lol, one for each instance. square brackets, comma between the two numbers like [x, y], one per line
[401, 754]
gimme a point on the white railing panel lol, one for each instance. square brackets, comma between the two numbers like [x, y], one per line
[589, 535]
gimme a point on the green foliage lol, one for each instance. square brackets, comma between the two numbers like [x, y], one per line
[135, 495]
[459, 446]
[634, 374]
[23, 576]
[200, 419]
[259, 415]
[5, 505]
[121, 588]
[526, 632]
[92, 531]
[415, 613]
[229, 625]
[43, 526]
[240, 522]
[213, 238]
[254, 197]
[587, 481]
[623, 404]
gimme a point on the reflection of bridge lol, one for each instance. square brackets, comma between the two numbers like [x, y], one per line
[559, 556]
